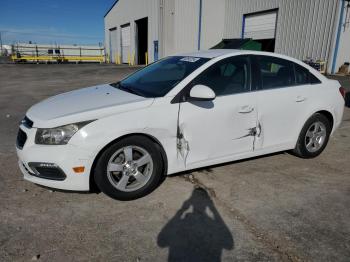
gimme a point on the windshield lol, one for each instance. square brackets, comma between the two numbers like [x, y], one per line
[157, 79]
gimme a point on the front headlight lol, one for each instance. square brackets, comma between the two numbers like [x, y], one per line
[57, 135]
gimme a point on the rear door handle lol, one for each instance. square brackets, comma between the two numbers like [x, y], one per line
[300, 98]
[246, 109]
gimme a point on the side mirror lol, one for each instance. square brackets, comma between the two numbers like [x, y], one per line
[202, 93]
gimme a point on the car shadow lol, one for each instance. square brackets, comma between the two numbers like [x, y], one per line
[95, 190]
[197, 232]
[91, 191]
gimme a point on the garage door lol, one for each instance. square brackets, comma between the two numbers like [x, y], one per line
[126, 43]
[113, 44]
[260, 26]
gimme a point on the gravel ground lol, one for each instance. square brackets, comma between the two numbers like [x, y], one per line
[271, 208]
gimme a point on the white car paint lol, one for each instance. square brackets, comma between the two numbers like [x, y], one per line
[200, 91]
[84, 104]
[211, 135]
[218, 131]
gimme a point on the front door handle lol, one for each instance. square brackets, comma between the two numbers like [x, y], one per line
[300, 99]
[246, 109]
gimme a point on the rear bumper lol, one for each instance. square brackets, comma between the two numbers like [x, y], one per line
[338, 117]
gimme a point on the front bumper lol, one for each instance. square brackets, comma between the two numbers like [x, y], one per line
[64, 156]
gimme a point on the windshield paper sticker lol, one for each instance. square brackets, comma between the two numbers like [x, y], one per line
[190, 59]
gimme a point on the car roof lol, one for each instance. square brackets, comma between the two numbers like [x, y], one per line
[212, 53]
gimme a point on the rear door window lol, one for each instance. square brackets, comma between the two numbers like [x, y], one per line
[275, 72]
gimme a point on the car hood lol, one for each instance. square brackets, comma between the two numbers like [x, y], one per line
[85, 104]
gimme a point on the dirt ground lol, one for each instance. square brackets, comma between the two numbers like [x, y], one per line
[271, 208]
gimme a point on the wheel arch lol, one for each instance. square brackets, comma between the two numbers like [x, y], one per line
[324, 112]
[328, 115]
[92, 183]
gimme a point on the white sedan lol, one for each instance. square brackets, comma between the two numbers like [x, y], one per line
[180, 113]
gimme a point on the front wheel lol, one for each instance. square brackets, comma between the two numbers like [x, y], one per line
[313, 137]
[129, 169]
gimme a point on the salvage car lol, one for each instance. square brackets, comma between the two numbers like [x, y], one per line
[180, 113]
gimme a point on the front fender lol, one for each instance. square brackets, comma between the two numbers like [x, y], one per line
[155, 121]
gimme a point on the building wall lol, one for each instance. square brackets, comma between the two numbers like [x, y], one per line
[186, 25]
[344, 43]
[127, 11]
[167, 27]
[179, 30]
[213, 21]
[305, 28]
[184, 16]
[181, 23]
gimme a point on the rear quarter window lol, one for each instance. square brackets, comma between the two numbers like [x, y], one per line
[303, 76]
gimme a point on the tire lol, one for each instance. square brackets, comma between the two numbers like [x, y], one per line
[311, 143]
[121, 173]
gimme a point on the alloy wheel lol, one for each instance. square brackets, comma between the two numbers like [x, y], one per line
[315, 136]
[129, 168]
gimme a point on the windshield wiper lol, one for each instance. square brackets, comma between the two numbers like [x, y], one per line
[115, 85]
[125, 88]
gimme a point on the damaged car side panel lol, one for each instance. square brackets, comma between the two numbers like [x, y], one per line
[215, 129]
[243, 107]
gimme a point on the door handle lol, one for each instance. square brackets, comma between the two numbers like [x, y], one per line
[300, 99]
[246, 109]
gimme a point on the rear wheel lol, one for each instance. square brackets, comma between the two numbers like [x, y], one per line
[313, 137]
[129, 169]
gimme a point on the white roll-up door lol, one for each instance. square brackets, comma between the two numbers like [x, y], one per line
[260, 26]
[126, 43]
[113, 49]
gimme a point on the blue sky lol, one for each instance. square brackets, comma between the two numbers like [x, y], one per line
[50, 21]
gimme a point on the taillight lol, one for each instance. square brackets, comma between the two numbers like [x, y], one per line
[342, 91]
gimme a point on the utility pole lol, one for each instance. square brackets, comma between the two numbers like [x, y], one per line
[0, 44]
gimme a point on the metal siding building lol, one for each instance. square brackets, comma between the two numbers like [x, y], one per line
[304, 28]
[301, 28]
[344, 40]
[173, 23]
[126, 12]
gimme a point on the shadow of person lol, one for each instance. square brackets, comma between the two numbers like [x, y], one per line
[196, 232]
